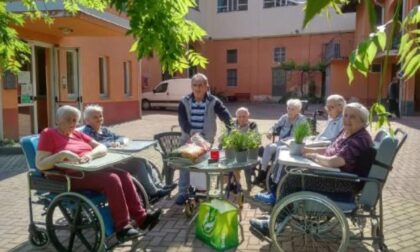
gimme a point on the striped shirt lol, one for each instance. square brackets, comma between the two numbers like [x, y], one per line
[197, 116]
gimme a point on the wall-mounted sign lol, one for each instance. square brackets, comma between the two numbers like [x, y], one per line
[9, 80]
[24, 77]
[25, 99]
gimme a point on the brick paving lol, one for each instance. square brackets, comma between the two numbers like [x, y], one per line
[401, 194]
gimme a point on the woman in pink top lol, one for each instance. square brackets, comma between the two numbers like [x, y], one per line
[64, 143]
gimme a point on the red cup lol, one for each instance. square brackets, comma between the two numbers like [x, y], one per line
[214, 154]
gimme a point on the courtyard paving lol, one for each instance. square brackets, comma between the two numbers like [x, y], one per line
[401, 194]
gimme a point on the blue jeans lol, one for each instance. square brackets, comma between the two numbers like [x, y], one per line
[184, 182]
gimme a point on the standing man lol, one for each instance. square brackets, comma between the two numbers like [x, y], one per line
[197, 114]
[394, 95]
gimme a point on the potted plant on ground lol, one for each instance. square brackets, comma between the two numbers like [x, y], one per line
[301, 131]
[254, 141]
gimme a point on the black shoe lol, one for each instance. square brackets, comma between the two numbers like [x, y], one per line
[262, 175]
[152, 218]
[170, 187]
[161, 193]
[260, 226]
[127, 233]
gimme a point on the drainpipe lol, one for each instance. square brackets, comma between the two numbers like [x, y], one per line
[1, 109]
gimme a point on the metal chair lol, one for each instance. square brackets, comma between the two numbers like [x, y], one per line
[168, 141]
[320, 217]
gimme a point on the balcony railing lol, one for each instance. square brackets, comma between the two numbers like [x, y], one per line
[332, 51]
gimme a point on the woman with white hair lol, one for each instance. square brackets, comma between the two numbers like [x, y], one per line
[350, 152]
[138, 167]
[284, 126]
[334, 107]
[64, 143]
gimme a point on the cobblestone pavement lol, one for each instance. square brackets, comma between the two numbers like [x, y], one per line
[401, 194]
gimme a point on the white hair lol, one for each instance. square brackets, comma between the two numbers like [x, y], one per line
[295, 103]
[337, 99]
[91, 108]
[67, 110]
[242, 109]
[201, 78]
[362, 111]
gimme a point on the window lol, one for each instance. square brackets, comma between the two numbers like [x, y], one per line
[127, 78]
[71, 65]
[232, 56]
[279, 54]
[379, 13]
[277, 3]
[232, 77]
[376, 68]
[231, 5]
[103, 76]
[161, 88]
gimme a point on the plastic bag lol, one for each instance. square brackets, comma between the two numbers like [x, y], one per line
[217, 224]
[195, 147]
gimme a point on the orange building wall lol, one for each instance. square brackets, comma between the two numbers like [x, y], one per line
[255, 61]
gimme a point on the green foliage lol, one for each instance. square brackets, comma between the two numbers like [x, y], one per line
[315, 7]
[301, 131]
[288, 66]
[254, 139]
[7, 141]
[409, 51]
[156, 25]
[382, 115]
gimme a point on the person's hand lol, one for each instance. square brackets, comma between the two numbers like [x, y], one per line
[115, 144]
[85, 159]
[312, 156]
[69, 156]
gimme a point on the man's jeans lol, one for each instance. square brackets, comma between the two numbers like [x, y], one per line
[184, 181]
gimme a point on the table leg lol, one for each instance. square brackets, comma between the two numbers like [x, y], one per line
[221, 176]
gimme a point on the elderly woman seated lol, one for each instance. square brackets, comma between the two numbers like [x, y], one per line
[334, 106]
[64, 143]
[284, 127]
[348, 152]
[138, 167]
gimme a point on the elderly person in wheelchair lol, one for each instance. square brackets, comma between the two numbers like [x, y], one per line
[65, 143]
[140, 168]
[284, 128]
[350, 152]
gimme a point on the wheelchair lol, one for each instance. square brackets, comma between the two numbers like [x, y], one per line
[318, 220]
[74, 221]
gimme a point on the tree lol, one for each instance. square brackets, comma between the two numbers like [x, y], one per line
[362, 57]
[157, 26]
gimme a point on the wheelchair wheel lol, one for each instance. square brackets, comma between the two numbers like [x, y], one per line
[75, 224]
[38, 238]
[307, 221]
[142, 193]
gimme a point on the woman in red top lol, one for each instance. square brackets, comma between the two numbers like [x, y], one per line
[64, 143]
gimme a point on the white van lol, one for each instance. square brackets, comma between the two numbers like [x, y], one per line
[167, 94]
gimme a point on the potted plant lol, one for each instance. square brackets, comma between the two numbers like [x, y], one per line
[240, 145]
[301, 131]
[228, 147]
[254, 141]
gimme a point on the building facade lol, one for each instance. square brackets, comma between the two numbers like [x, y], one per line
[78, 60]
[248, 40]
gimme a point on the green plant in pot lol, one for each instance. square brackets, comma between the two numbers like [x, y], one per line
[228, 146]
[254, 142]
[300, 131]
[240, 145]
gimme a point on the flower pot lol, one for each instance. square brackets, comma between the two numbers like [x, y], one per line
[253, 154]
[230, 155]
[241, 156]
[296, 149]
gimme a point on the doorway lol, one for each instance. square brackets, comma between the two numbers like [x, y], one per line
[32, 92]
[278, 82]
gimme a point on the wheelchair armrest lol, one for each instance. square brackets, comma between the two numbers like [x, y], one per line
[325, 174]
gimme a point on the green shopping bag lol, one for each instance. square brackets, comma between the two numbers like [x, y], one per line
[217, 224]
